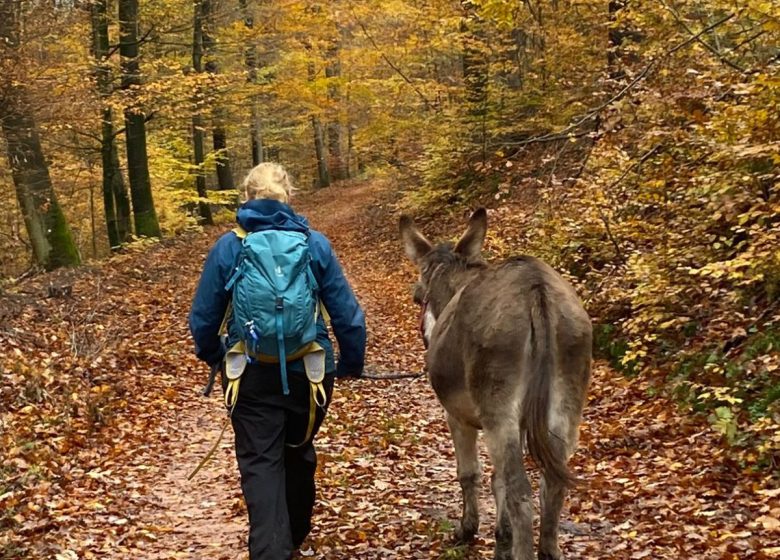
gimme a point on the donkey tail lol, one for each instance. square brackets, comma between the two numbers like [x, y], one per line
[549, 456]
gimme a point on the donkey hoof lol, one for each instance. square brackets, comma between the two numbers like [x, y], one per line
[464, 533]
[550, 556]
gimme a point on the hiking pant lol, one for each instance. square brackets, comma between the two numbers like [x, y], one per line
[277, 479]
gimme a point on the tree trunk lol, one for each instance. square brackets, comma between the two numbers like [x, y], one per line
[336, 159]
[116, 205]
[323, 176]
[256, 133]
[49, 233]
[219, 136]
[123, 210]
[197, 119]
[145, 216]
[350, 135]
[319, 147]
[252, 63]
[47, 229]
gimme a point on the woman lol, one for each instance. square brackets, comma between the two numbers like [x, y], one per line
[275, 457]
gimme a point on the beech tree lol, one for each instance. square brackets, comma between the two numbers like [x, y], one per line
[47, 228]
[144, 213]
[336, 164]
[197, 117]
[116, 204]
[252, 62]
[219, 115]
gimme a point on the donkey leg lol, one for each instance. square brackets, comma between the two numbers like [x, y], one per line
[552, 495]
[503, 533]
[506, 452]
[465, 439]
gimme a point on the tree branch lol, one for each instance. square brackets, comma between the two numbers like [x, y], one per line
[647, 155]
[613, 184]
[565, 133]
[119, 131]
[140, 41]
[389, 62]
[701, 41]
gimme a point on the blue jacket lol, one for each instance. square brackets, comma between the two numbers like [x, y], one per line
[211, 299]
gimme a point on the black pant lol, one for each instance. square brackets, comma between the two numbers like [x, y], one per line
[277, 479]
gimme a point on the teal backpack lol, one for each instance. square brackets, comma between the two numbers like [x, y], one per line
[275, 302]
[275, 307]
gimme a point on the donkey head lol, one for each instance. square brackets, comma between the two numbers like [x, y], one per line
[441, 266]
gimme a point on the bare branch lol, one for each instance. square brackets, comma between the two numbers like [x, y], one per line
[389, 62]
[701, 41]
[140, 41]
[618, 251]
[594, 113]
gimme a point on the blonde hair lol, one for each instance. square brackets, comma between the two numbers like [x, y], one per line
[267, 180]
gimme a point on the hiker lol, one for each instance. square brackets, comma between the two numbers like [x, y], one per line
[278, 406]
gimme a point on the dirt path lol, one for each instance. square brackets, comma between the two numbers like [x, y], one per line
[657, 485]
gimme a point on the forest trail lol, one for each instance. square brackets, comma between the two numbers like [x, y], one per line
[656, 483]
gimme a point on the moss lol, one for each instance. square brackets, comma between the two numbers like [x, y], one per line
[146, 224]
[63, 251]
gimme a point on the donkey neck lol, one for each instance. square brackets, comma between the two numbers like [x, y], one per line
[446, 282]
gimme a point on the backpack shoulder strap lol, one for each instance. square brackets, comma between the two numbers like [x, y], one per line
[240, 232]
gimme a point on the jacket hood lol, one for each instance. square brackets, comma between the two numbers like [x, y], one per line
[259, 215]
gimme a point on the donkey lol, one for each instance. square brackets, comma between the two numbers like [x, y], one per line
[508, 352]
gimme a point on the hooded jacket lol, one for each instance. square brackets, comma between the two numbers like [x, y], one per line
[211, 299]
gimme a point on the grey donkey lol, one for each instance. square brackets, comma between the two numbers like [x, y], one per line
[508, 352]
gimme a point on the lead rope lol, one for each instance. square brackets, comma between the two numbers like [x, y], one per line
[231, 397]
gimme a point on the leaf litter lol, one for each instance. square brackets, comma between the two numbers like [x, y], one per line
[102, 420]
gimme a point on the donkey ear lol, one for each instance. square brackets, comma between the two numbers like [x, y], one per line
[470, 244]
[415, 243]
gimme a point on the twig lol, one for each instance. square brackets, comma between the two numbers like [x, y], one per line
[137, 42]
[573, 179]
[748, 40]
[610, 236]
[613, 184]
[565, 133]
[32, 271]
[647, 155]
[147, 118]
[701, 41]
[390, 62]
[15, 238]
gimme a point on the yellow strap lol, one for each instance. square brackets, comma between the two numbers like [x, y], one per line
[240, 232]
[318, 391]
[231, 393]
[324, 312]
[223, 328]
[312, 413]
[267, 359]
